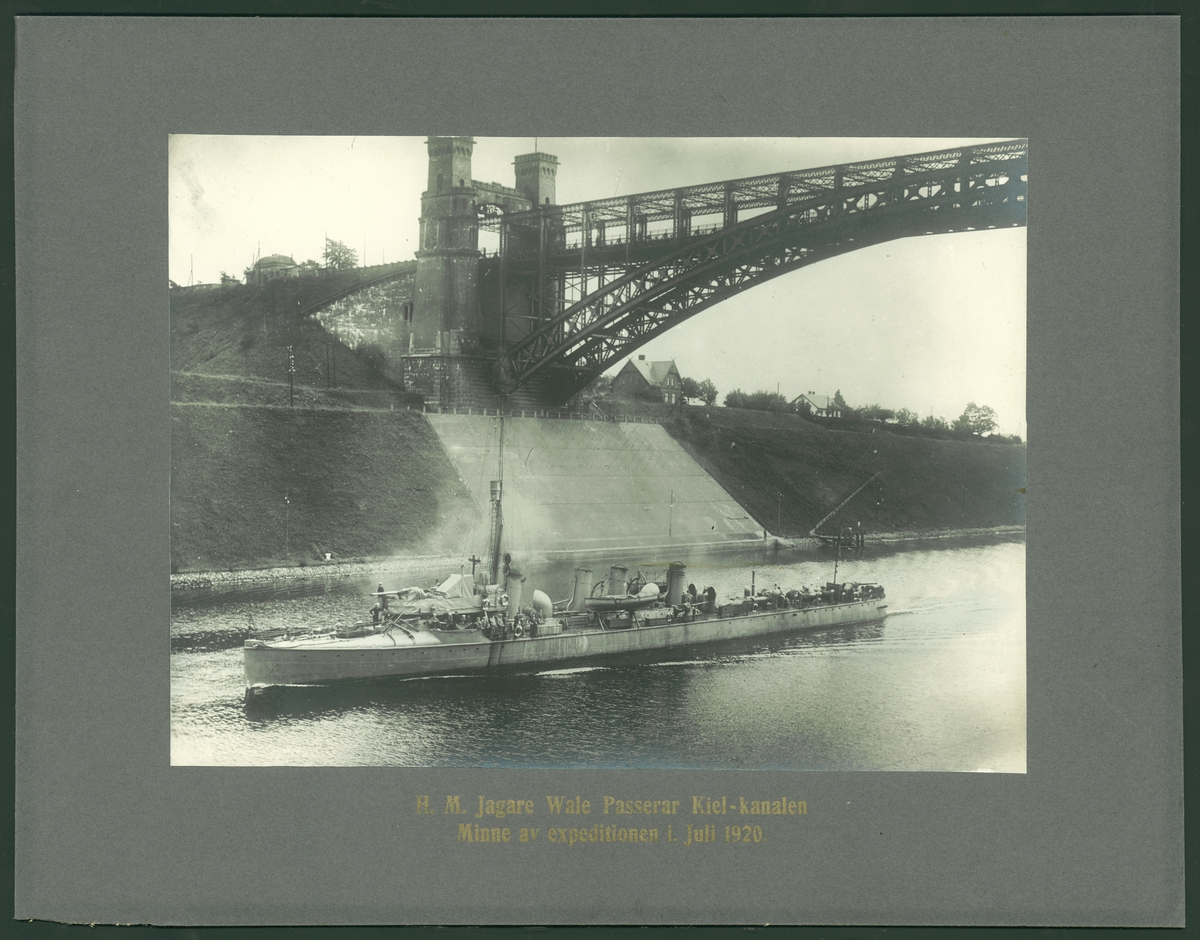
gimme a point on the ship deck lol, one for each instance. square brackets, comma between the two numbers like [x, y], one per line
[310, 661]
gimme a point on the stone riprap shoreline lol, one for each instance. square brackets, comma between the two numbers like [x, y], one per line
[910, 536]
[373, 568]
[914, 535]
[357, 569]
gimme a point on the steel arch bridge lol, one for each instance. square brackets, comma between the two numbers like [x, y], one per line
[578, 287]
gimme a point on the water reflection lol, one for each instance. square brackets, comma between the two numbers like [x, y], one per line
[519, 691]
[938, 685]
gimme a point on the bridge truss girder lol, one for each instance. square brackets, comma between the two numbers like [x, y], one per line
[726, 199]
[588, 312]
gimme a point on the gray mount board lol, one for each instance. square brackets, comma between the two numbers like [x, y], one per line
[108, 831]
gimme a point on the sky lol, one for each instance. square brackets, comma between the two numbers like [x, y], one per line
[926, 323]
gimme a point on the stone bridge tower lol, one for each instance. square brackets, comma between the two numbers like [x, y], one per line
[535, 174]
[455, 319]
[446, 305]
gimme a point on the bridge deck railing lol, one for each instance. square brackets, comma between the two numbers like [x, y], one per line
[756, 192]
[553, 414]
[572, 246]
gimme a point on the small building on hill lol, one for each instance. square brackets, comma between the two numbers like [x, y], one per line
[271, 268]
[819, 406]
[639, 380]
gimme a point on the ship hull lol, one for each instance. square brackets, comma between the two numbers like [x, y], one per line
[302, 663]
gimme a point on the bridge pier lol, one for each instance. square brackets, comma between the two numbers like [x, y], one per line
[470, 381]
[458, 317]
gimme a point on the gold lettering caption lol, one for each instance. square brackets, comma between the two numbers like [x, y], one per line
[700, 833]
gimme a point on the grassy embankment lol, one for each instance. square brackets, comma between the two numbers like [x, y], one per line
[783, 467]
[256, 483]
[246, 331]
[259, 487]
[363, 480]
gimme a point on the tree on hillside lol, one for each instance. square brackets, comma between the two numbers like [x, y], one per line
[936, 424]
[840, 403]
[757, 401]
[309, 267]
[907, 418]
[768, 401]
[976, 419]
[598, 389]
[876, 413]
[339, 256]
[698, 391]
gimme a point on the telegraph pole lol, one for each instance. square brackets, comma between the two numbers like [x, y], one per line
[838, 557]
[291, 378]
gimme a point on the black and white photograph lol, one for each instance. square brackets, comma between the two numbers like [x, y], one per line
[654, 453]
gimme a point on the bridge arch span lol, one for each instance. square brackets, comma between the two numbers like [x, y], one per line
[638, 302]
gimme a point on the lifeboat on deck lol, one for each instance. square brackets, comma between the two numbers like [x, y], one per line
[646, 597]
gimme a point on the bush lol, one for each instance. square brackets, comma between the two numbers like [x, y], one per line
[768, 401]
[758, 401]
[875, 413]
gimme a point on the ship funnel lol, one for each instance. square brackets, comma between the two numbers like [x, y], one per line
[675, 575]
[583, 588]
[542, 604]
[617, 585]
[513, 588]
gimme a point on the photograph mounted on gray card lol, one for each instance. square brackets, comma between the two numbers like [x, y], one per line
[485, 453]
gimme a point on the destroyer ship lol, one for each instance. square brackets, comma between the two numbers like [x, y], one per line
[461, 628]
[488, 621]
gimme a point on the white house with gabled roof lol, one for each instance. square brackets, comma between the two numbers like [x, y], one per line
[819, 406]
[638, 376]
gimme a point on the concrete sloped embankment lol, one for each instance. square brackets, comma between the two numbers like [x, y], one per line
[591, 486]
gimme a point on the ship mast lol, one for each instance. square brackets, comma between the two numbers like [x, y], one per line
[497, 516]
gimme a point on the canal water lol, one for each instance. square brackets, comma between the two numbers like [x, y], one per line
[937, 686]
